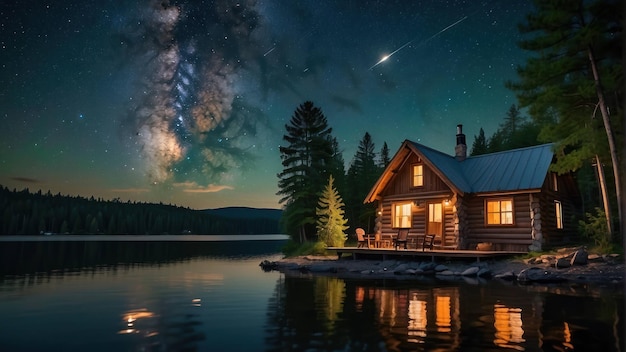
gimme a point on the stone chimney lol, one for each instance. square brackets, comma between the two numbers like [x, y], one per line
[460, 151]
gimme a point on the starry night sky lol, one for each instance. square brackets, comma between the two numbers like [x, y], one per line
[186, 102]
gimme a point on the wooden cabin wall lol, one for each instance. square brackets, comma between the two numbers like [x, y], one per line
[515, 237]
[401, 183]
[449, 239]
[569, 198]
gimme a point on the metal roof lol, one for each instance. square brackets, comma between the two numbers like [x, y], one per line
[511, 170]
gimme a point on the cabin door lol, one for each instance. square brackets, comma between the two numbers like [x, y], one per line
[434, 223]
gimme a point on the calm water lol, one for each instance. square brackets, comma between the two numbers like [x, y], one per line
[212, 296]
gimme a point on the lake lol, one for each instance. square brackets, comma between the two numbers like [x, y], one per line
[211, 295]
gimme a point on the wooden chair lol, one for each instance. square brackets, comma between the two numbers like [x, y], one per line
[402, 237]
[429, 241]
[360, 235]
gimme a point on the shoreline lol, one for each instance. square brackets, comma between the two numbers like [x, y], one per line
[562, 268]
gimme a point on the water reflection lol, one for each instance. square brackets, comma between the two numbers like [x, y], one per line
[325, 313]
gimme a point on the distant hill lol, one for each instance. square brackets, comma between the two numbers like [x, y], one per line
[26, 213]
[246, 213]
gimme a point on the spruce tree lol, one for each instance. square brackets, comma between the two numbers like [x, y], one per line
[574, 79]
[307, 160]
[479, 146]
[362, 174]
[331, 223]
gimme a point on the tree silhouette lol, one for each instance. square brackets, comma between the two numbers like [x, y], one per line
[307, 160]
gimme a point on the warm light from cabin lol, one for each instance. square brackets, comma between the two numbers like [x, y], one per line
[444, 317]
[567, 336]
[132, 316]
[509, 329]
[418, 320]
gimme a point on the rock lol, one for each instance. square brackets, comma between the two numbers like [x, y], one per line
[428, 266]
[440, 268]
[410, 271]
[322, 268]
[580, 257]
[595, 258]
[470, 271]
[266, 265]
[538, 275]
[401, 268]
[562, 263]
[446, 273]
[508, 276]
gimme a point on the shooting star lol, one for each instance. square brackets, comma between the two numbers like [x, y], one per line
[386, 57]
[269, 51]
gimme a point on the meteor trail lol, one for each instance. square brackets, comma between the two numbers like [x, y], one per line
[384, 58]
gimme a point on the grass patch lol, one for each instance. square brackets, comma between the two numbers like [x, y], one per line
[295, 249]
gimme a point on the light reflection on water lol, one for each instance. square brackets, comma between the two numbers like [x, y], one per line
[209, 297]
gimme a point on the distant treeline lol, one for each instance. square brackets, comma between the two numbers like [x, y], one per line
[26, 213]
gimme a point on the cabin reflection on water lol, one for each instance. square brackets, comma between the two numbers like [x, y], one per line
[356, 314]
[414, 316]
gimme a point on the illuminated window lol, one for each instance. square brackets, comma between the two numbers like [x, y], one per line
[500, 212]
[402, 215]
[558, 210]
[418, 175]
[434, 212]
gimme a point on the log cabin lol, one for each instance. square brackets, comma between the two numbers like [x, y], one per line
[505, 201]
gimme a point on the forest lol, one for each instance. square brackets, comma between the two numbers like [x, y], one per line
[570, 88]
[26, 213]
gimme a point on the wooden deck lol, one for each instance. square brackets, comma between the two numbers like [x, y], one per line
[416, 254]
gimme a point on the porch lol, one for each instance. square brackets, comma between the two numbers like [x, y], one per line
[420, 254]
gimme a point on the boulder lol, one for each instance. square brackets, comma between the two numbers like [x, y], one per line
[400, 268]
[538, 275]
[580, 257]
[446, 273]
[562, 263]
[508, 276]
[470, 271]
[440, 268]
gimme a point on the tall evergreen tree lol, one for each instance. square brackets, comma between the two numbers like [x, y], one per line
[576, 73]
[362, 174]
[384, 158]
[479, 146]
[331, 223]
[306, 159]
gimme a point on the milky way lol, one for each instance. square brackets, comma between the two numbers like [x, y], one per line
[184, 121]
[185, 101]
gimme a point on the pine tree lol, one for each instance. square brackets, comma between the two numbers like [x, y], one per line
[307, 161]
[384, 158]
[362, 174]
[479, 146]
[331, 223]
[565, 85]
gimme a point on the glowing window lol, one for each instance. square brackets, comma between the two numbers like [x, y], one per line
[402, 215]
[500, 212]
[434, 212]
[558, 210]
[418, 175]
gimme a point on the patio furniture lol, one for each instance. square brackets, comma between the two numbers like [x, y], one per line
[429, 241]
[402, 237]
[360, 236]
[381, 241]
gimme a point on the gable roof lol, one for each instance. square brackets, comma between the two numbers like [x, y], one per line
[511, 170]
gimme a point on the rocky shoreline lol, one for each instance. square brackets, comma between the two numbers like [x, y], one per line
[574, 265]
